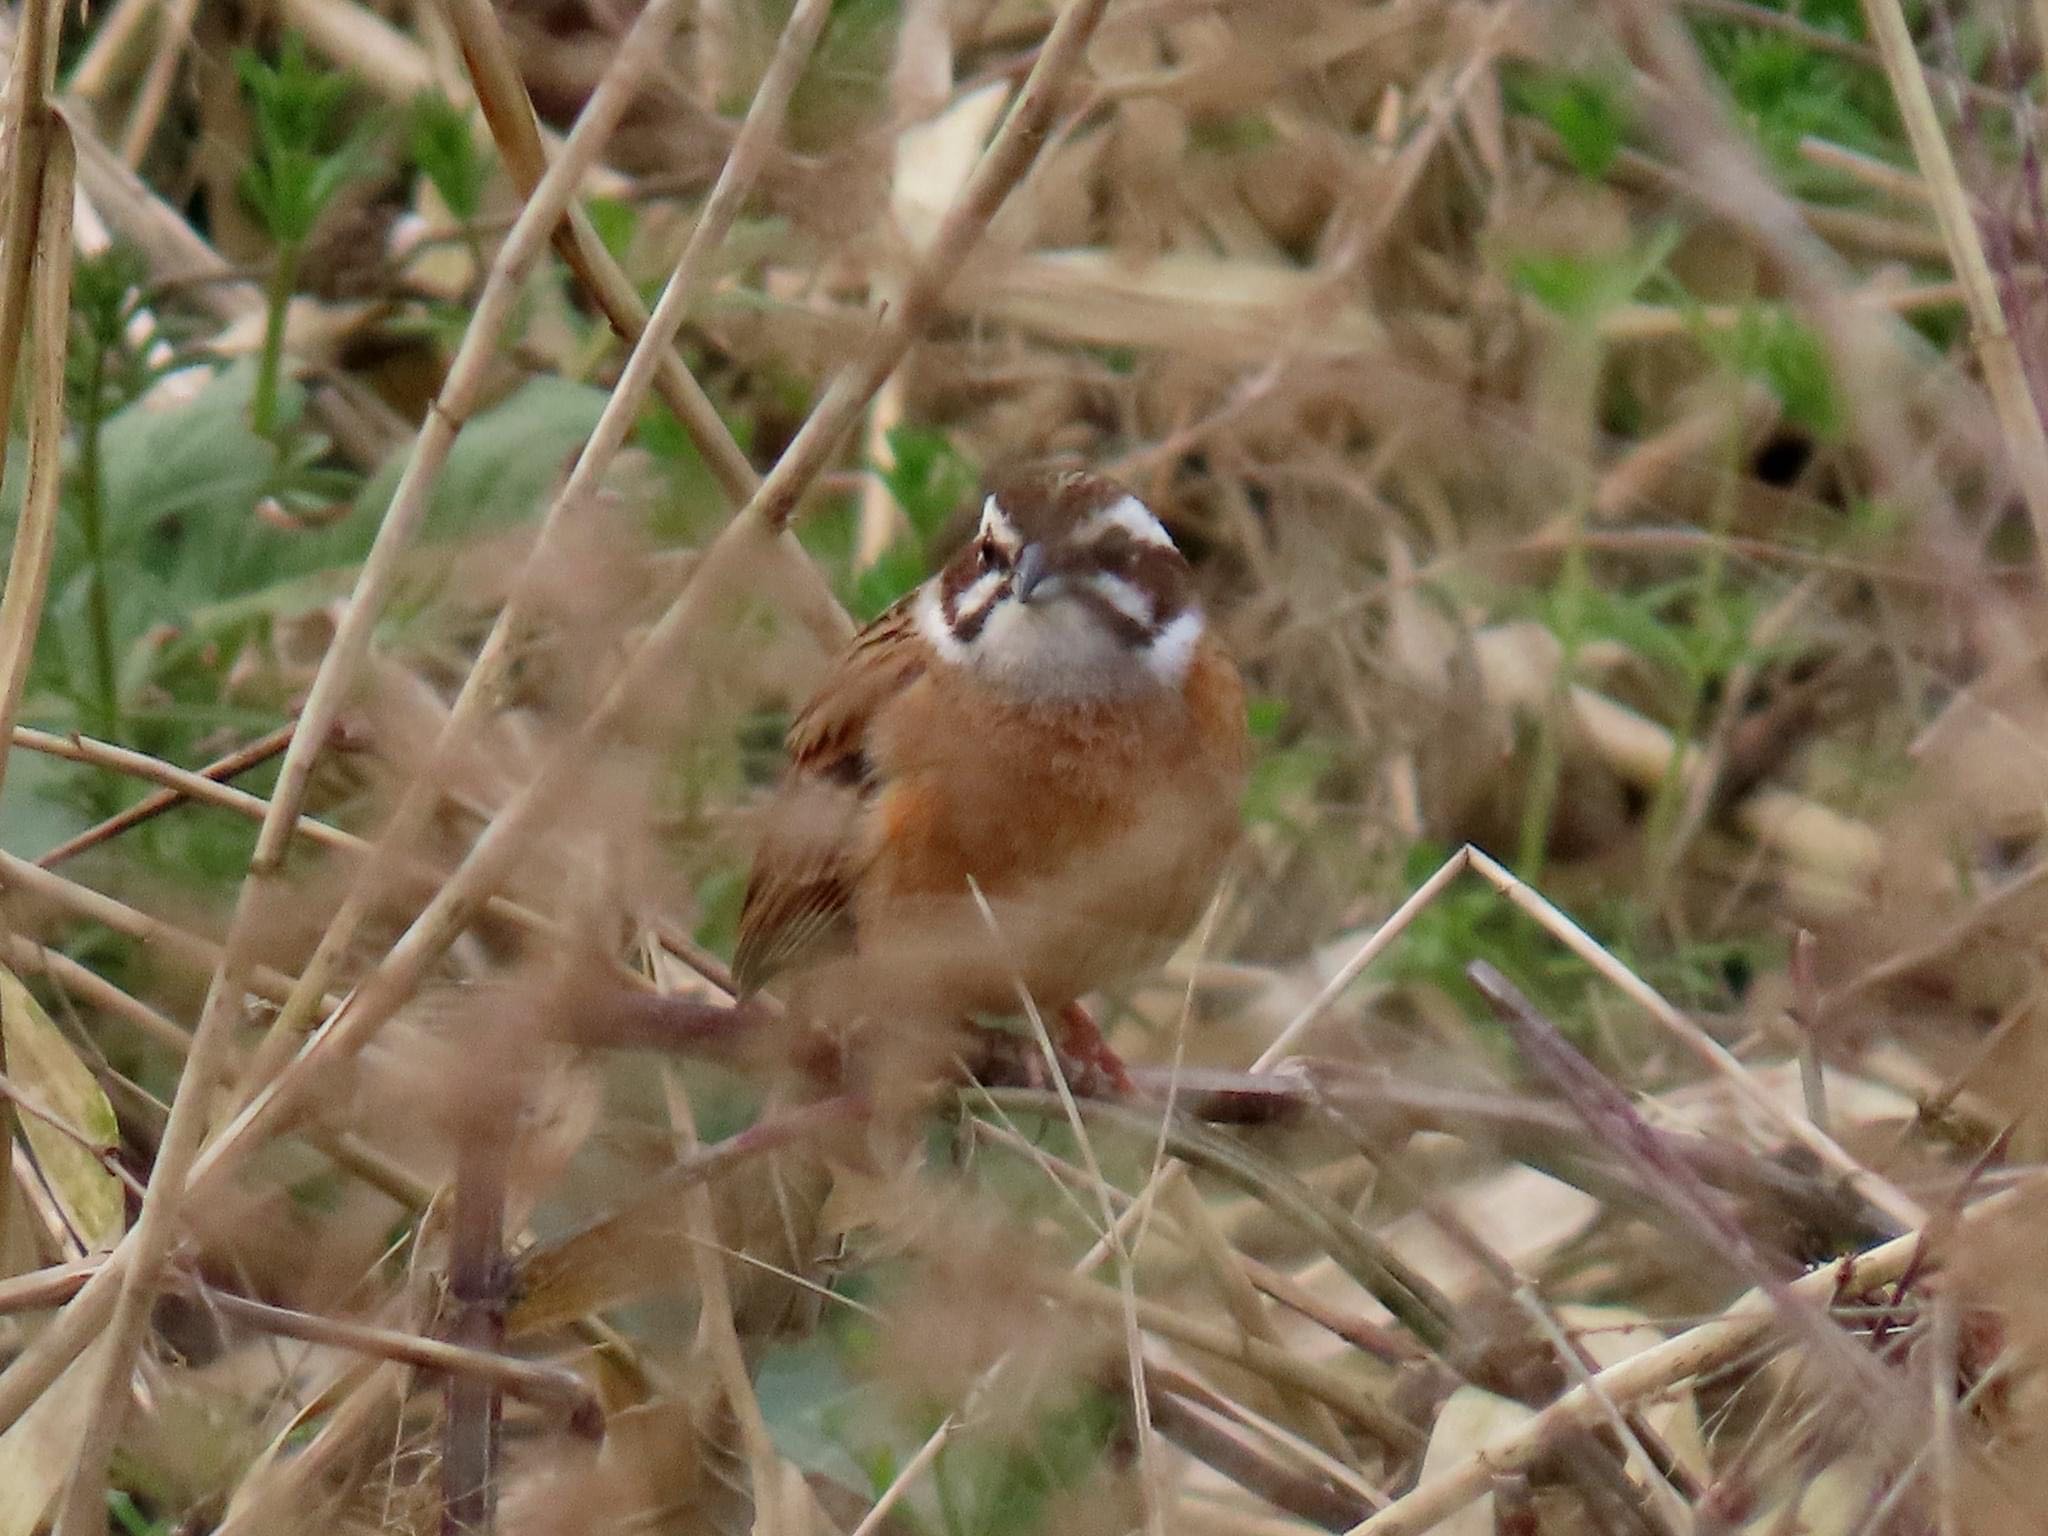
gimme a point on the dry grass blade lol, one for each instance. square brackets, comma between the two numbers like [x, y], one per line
[549, 1386]
[222, 769]
[43, 176]
[1571, 445]
[2019, 414]
[509, 112]
[1878, 1190]
[1606, 1109]
[28, 128]
[1009, 155]
[174, 34]
[46, 268]
[652, 357]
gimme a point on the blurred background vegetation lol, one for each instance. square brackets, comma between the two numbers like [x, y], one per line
[1604, 433]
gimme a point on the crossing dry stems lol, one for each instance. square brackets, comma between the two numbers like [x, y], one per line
[1341, 290]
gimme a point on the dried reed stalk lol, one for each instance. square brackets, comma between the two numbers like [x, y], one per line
[47, 264]
[2005, 375]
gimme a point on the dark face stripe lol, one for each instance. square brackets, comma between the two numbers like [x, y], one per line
[1046, 510]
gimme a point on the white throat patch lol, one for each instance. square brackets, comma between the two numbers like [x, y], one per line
[1057, 648]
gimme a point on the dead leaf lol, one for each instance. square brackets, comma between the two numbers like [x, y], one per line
[41, 1062]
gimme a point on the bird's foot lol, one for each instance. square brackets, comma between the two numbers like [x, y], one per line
[1091, 1065]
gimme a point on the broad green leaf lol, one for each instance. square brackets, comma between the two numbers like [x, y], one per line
[506, 460]
[42, 1063]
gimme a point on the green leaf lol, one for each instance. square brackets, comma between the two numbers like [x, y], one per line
[41, 1061]
[506, 460]
[899, 570]
[440, 142]
[1774, 346]
[1582, 288]
[1587, 112]
[928, 477]
[615, 220]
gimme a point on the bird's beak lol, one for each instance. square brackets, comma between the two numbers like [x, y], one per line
[1033, 570]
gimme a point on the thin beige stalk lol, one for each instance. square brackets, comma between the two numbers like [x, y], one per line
[35, 534]
[745, 545]
[508, 111]
[1283, 1368]
[200, 789]
[18, 875]
[116, 31]
[136, 1278]
[174, 36]
[1172, 1173]
[1226, 1266]
[718, 1334]
[28, 128]
[2019, 415]
[1874, 1187]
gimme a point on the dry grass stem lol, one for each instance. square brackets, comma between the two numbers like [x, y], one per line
[2019, 414]
[46, 268]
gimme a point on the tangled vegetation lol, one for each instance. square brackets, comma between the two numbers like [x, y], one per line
[445, 442]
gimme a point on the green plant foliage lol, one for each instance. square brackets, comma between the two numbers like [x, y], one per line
[305, 152]
[695, 505]
[503, 466]
[1784, 89]
[1013, 1489]
[1580, 288]
[828, 1421]
[847, 78]
[1770, 344]
[930, 480]
[1286, 770]
[1588, 113]
[104, 369]
[929, 477]
[441, 140]
[616, 221]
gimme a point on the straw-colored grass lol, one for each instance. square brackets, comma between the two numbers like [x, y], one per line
[1605, 1095]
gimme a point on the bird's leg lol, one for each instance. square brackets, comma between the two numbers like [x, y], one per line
[1081, 1043]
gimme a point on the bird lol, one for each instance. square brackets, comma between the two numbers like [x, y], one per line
[1021, 781]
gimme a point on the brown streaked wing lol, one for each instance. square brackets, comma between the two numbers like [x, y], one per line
[799, 896]
[877, 664]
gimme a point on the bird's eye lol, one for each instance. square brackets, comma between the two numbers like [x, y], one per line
[991, 556]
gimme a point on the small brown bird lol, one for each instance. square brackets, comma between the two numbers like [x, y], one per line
[1046, 722]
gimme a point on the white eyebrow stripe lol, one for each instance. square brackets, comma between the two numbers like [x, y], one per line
[996, 524]
[1131, 515]
[1124, 598]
